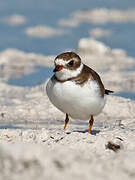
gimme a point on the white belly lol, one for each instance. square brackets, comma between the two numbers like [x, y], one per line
[78, 102]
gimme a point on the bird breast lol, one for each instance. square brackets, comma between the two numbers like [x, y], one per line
[78, 102]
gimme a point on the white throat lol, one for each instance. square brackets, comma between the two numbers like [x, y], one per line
[65, 74]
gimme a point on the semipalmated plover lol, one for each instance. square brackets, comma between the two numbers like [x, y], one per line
[76, 89]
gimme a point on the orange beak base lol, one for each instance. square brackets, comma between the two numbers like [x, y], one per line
[57, 68]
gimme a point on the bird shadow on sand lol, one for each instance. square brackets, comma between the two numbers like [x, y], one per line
[93, 132]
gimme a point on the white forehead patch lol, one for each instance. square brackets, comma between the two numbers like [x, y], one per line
[60, 62]
[63, 62]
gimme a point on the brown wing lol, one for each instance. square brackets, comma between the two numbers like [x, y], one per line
[96, 77]
[93, 75]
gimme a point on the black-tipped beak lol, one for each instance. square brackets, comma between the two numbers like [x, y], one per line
[57, 68]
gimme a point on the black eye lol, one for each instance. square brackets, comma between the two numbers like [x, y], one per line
[71, 63]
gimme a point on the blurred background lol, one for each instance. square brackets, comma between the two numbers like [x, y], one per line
[32, 29]
[32, 141]
[44, 26]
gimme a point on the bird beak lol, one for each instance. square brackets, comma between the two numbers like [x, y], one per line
[57, 68]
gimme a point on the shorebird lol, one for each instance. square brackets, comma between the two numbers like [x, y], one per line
[76, 89]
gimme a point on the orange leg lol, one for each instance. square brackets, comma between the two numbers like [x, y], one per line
[90, 124]
[66, 121]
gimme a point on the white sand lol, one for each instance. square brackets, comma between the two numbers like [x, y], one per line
[34, 145]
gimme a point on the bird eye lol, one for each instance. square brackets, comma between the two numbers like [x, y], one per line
[71, 63]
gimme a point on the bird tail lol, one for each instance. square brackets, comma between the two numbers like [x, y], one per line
[108, 91]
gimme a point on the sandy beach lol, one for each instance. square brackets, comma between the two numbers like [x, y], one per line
[33, 142]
